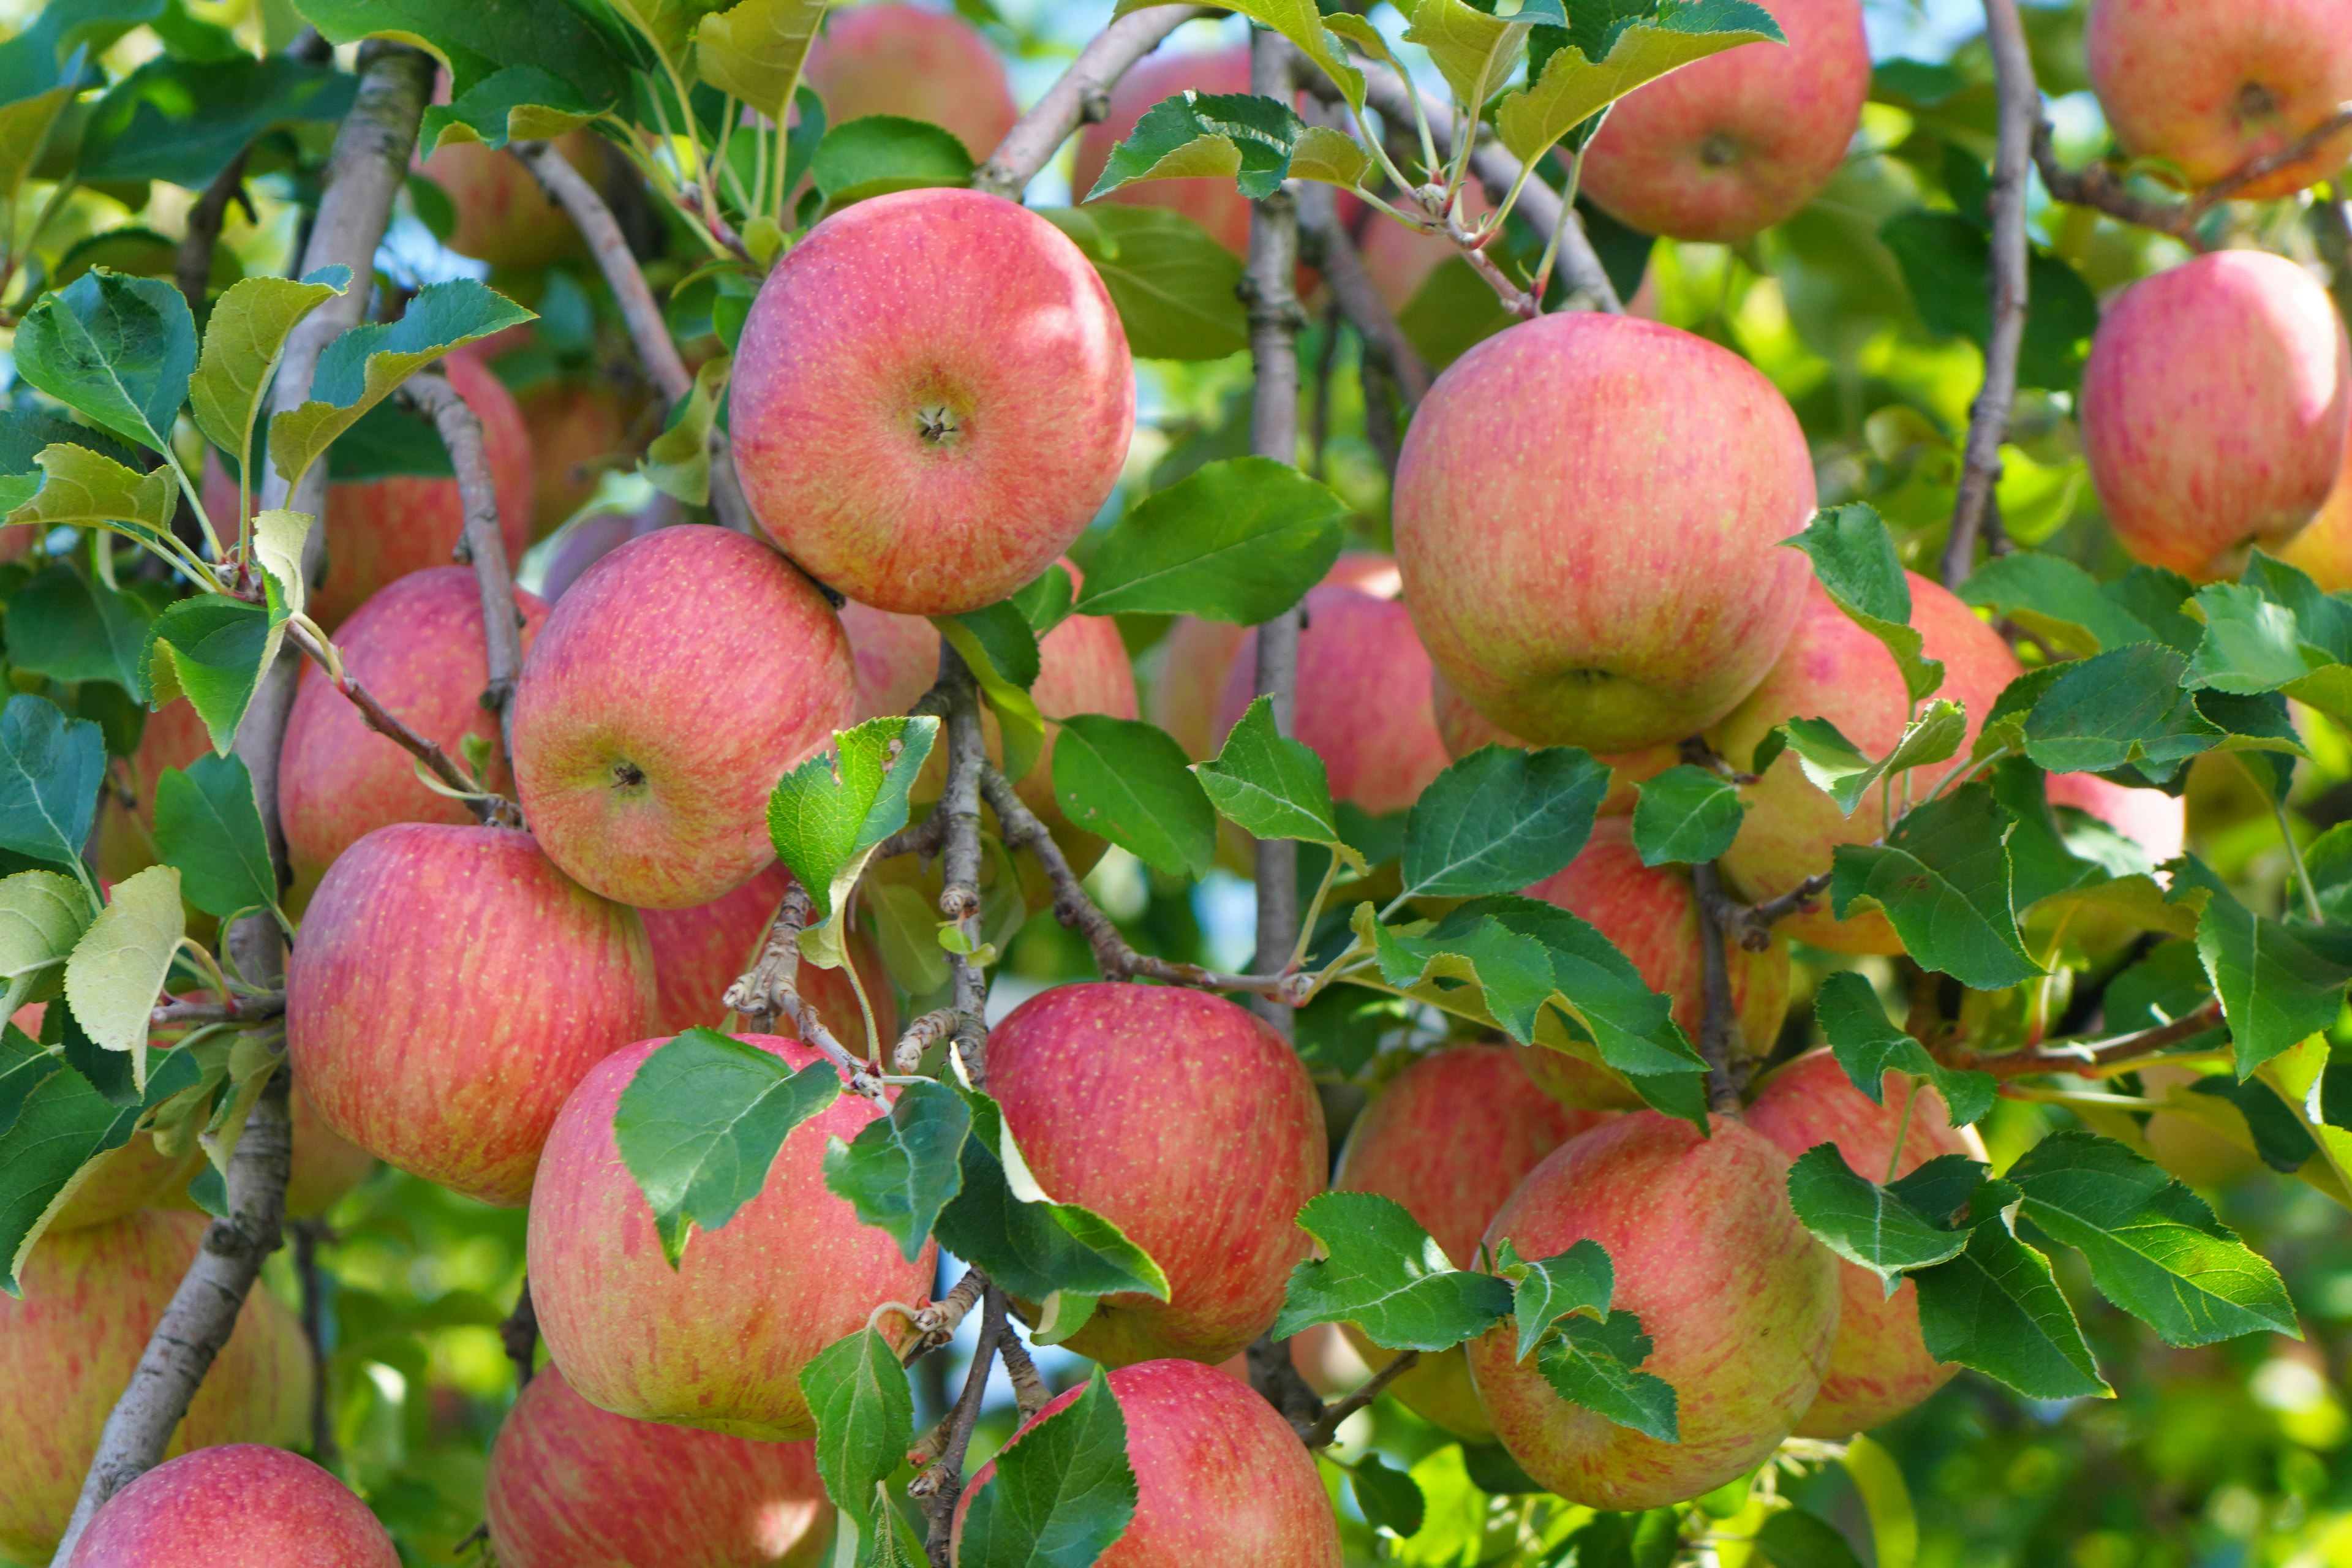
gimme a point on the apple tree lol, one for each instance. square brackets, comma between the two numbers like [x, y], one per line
[1561, 782]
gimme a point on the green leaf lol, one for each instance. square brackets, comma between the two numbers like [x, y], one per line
[1945, 258]
[475, 41]
[1132, 783]
[702, 1120]
[512, 103]
[363, 365]
[25, 128]
[1791, 1538]
[1501, 818]
[2122, 709]
[1001, 647]
[1867, 1045]
[1382, 1271]
[1867, 1225]
[1607, 54]
[1172, 283]
[1943, 879]
[118, 966]
[2155, 1247]
[244, 339]
[50, 769]
[1044, 602]
[186, 121]
[1686, 817]
[902, 1169]
[827, 817]
[2276, 990]
[1269, 785]
[2056, 600]
[1390, 1500]
[1063, 1492]
[79, 486]
[882, 152]
[865, 1418]
[65, 626]
[1578, 1281]
[755, 50]
[1239, 540]
[1996, 1308]
[1594, 1365]
[120, 349]
[208, 828]
[61, 1124]
[1473, 50]
[677, 461]
[212, 650]
[1854, 561]
[1839, 770]
[42, 916]
[1302, 23]
[1255, 142]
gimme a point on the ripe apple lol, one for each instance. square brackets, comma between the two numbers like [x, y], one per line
[450, 988]
[1449, 1138]
[575, 427]
[680, 678]
[698, 953]
[916, 64]
[1465, 730]
[2156, 822]
[2215, 410]
[571, 1486]
[1197, 656]
[1879, 1367]
[924, 437]
[718, 1342]
[595, 537]
[1213, 204]
[897, 658]
[1651, 915]
[1582, 571]
[1833, 670]
[417, 646]
[2325, 549]
[1187, 1122]
[240, 1505]
[503, 217]
[1721, 150]
[1220, 1480]
[2208, 87]
[1739, 1303]
[69, 1344]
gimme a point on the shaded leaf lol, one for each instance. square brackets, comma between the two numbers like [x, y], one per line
[1580, 1281]
[50, 768]
[208, 828]
[1943, 879]
[1132, 783]
[1382, 1271]
[1854, 561]
[2056, 600]
[1172, 283]
[1595, 1365]
[902, 1169]
[61, 1124]
[1868, 1046]
[1996, 1308]
[883, 153]
[1686, 817]
[119, 349]
[1501, 818]
[1870, 1225]
[865, 1418]
[212, 650]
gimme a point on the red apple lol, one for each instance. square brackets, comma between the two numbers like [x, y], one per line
[924, 436]
[1449, 1138]
[503, 217]
[2206, 87]
[1582, 571]
[238, 1506]
[575, 429]
[70, 1345]
[718, 1342]
[1220, 1481]
[1879, 1367]
[450, 988]
[1188, 1124]
[1465, 730]
[418, 647]
[1739, 1303]
[2325, 549]
[897, 658]
[573, 1486]
[680, 678]
[2215, 410]
[595, 537]
[1833, 670]
[915, 64]
[699, 953]
[1724, 149]
[2156, 822]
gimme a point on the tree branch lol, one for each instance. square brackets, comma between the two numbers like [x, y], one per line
[2269, 164]
[487, 807]
[770, 989]
[310, 1234]
[2021, 116]
[1719, 1036]
[1277, 1380]
[236, 1010]
[2331, 233]
[959, 808]
[2087, 1056]
[1080, 97]
[941, 1481]
[483, 545]
[1029, 1390]
[1319, 1436]
[193, 264]
[2095, 185]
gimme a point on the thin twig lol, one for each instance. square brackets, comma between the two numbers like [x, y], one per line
[958, 807]
[483, 546]
[2085, 1056]
[519, 1335]
[1029, 1390]
[1326, 243]
[192, 263]
[1320, 1435]
[2020, 113]
[236, 1010]
[2262, 168]
[487, 808]
[937, 1323]
[1718, 1033]
[925, 1032]
[1279, 1381]
[770, 990]
[941, 1481]
[310, 1234]
[2097, 186]
[1081, 96]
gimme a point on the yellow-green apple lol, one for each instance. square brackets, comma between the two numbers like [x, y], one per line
[2214, 410]
[897, 658]
[571, 1486]
[240, 1505]
[1449, 1138]
[698, 953]
[927, 439]
[2325, 549]
[1213, 204]
[1741, 1304]
[503, 217]
[133, 1176]
[1651, 915]
[1724, 149]
[1879, 1367]
[1465, 729]
[1363, 698]
[418, 647]
[2208, 87]
[1188, 1124]
[1220, 1480]
[450, 988]
[916, 64]
[1582, 570]
[1833, 670]
[677, 681]
[1197, 656]
[69, 1344]
[719, 1342]
[576, 428]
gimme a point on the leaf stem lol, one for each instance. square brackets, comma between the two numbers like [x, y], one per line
[1902, 1127]
[2286, 836]
[1314, 912]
